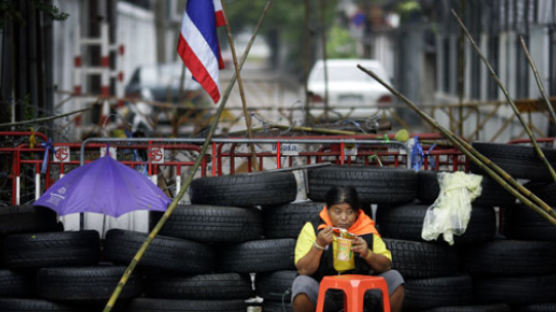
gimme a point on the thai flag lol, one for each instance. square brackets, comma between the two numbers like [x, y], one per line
[198, 43]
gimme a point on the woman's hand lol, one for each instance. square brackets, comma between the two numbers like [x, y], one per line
[324, 238]
[359, 245]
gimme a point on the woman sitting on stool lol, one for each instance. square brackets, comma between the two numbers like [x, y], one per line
[316, 253]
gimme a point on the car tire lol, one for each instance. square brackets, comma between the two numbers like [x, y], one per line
[286, 221]
[541, 307]
[163, 305]
[522, 290]
[415, 260]
[406, 222]
[28, 219]
[203, 223]
[517, 160]
[275, 286]
[492, 194]
[35, 305]
[511, 258]
[421, 294]
[258, 256]
[473, 308]
[166, 253]
[223, 286]
[277, 306]
[391, 186]
[84, 283]
[522, 222]
[17, 284]
[35, 250]
[245, 190]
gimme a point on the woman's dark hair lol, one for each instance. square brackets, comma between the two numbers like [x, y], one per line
[342, 194]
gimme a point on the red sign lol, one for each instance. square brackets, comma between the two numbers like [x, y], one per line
[61, 154]
[156, 155]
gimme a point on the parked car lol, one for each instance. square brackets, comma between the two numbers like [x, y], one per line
[351, 92]
[161, 83]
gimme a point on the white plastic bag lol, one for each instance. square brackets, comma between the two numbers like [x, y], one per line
[451, 211]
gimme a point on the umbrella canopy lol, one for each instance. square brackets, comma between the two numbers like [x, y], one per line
[103, 186]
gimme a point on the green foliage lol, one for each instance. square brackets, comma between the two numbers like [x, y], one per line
[286, 18]
[9, 13]
[340, 43]
[50, 10]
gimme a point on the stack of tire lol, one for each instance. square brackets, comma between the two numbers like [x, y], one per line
[482, 271]
[45, 269]
[207, 252]
[520, 268]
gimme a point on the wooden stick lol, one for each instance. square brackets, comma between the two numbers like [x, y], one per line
[510, 101]
[187, 182]
[538, 79]
[497, 173]
[241, 90]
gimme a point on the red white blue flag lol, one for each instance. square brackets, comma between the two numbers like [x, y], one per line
[198, 43]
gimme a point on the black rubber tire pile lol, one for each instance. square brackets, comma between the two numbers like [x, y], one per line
[492, 268]
[244, 226]
[45, 269]
[486, 270]
[225, 230]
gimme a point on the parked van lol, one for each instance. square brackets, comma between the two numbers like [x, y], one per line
[351, 92]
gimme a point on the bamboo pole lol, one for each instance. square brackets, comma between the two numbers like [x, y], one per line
[538, 79]
[42, 119]
[187, 182]
[493, 170]
[510, 101]
[241, 90]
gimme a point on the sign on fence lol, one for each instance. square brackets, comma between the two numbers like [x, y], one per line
[61, 154]
[156, 155]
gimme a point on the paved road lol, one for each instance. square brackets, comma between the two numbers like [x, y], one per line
[270, 94]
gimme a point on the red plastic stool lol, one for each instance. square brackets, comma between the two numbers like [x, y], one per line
[354, 288]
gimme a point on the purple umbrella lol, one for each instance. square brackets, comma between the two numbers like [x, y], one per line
[103, 186]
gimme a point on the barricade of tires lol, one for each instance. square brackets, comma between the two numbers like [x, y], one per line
[237, 238]
[227, 255]
[45, 269]
[486, 269]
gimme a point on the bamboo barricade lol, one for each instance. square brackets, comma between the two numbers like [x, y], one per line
[241, 90]
[493, 170]
[538, 79]
[506, 94]
[173, 205]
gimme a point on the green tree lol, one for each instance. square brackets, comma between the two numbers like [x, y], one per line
[340, 43]
[283, 25]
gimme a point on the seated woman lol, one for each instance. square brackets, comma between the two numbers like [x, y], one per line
[316, 251]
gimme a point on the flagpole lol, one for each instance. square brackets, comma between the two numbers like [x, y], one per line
[241, 92]
[129, 270]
